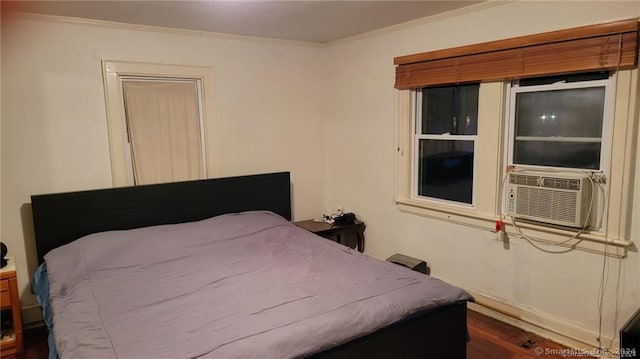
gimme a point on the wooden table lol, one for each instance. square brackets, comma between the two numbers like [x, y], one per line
[327, 230]
[11, 339]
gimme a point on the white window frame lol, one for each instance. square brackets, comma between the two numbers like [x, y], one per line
[113, 74]
[483, 213]
[598, 211]
[417, 136]
[607, 122]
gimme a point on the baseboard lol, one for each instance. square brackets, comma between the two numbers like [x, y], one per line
[544, 325]
[560, 331]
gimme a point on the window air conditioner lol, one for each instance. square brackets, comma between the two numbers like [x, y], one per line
[545, 197]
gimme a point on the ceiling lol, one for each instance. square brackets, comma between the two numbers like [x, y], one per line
[308, 20]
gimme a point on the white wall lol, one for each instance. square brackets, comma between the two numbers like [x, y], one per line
[557, 289]
[326, 114]
[54, 137]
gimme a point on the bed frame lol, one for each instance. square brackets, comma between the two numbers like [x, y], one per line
[64, 217]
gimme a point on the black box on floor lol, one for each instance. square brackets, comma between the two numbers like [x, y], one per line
[415, 264]
[630, 337]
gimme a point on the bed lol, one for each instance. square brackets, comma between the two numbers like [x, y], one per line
[216, 269]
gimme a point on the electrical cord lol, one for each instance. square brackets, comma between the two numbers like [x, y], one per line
[604, 273]
[617, 307]
[603, 288]
[620, 204]
[534, 242]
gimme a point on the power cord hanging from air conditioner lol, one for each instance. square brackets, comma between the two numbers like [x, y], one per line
[595, 179]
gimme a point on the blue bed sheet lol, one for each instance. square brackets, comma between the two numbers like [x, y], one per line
[40, 287]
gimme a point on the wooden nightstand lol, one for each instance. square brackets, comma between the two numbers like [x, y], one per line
[11, 318]
[327, 230]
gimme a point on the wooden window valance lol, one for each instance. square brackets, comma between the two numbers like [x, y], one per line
[611, 46]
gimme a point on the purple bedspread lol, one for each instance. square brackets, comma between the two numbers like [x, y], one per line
[248, 285]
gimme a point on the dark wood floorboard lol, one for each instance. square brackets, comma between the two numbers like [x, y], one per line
[490, 339]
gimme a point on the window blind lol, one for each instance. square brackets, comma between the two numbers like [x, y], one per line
[163, 127]
[601, 47]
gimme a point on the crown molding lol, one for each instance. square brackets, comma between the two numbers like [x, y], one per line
[423, 21]
[152, 28]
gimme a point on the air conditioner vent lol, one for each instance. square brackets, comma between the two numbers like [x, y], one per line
[561, 183]
[557, 200]
[523, 180]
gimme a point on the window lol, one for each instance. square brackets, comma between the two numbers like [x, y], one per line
[492, 147]
[561, 122]
[445, 139]
[154, 94]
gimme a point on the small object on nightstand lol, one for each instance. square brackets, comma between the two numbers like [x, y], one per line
[345, 218]
[415, 264]
[3, 254]
[11, 324]
[327, 230]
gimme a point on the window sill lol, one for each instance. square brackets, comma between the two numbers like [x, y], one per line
[448, 212]
[544, 236]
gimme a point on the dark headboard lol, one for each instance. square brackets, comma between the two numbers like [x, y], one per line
[64, 217]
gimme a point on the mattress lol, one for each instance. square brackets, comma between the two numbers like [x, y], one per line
[246, 285]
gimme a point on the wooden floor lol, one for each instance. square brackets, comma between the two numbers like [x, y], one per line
[490, 339]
